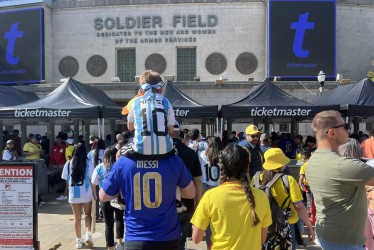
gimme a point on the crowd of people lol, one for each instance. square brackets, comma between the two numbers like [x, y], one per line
[163, 184]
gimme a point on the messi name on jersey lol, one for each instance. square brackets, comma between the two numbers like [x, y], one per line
[157, 102]
[147, 164]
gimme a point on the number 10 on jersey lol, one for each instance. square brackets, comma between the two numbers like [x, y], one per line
[146, 193]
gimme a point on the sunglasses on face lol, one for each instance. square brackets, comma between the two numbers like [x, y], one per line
[345, 125]
[254, 136]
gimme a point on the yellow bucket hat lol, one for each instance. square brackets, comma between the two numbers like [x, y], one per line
[252, 130]
[275, 158]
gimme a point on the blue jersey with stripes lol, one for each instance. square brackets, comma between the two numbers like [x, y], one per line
[152, 114]
[82, 193]
[99, 175]
[101, 156]
[148, 188]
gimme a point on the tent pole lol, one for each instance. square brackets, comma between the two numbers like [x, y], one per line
[1, 136]
[24, 132]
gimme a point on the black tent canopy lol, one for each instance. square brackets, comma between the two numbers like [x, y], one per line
[359, 101]
[333, 97]
[355, 99]
[71, 100]
[10, 96]
[267, 100]
[184, 106]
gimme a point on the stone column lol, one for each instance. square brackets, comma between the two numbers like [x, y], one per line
[23, 133]
[203, 127]
[267, 125]
[356, 125]
[87, 134]
[229, 126]
[294, 125]
[51, 133]
[112, 126]
[76, 130]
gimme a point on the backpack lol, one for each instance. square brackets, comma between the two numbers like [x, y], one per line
[279, 234]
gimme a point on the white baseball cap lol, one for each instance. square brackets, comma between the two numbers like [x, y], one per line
[70, 141]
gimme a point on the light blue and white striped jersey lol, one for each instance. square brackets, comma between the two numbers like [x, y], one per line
[211, 174]
[152, 114]
[101, 156]
[79, 194]
[99, 175]
[7, 154]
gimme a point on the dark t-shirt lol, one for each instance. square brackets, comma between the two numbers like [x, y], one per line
[191, 160]
[287, 145]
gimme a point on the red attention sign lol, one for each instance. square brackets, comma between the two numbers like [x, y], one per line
[16, 172]
[16, 207]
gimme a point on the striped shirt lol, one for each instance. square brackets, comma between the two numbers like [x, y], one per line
[99, 175]
[152, 115]
[78, 194]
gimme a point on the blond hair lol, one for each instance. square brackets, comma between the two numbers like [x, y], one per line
[150, 76]
[323, 121]
[350, 149]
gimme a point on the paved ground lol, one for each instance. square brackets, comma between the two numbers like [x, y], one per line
[56, 226]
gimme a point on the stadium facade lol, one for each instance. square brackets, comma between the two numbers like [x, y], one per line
[101, 42]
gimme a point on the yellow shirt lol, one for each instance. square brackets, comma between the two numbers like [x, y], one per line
[280, 195]
[30, 147]
[302, 172]
[69, 152]
[227, 210]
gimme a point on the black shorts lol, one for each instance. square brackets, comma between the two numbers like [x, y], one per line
[152, 245]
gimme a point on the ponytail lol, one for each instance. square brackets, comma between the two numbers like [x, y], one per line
[251, 199]
[267, 176]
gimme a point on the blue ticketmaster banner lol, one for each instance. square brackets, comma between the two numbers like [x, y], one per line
[5, 3]
[302, 38]
[22, 46]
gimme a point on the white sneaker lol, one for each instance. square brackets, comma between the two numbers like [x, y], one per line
[61, 198]
[78, 243]
[89, 240]
[119, 247]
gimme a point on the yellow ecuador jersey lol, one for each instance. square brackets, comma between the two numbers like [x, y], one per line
[69, 152]
[227, 210]
[280, 195]
[302, 172]
[30, 147]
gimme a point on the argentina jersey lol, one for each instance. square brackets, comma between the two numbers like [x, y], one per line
[149, 189]
[81, 193]
[210, 174]
[99, 175]
[152, 115]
